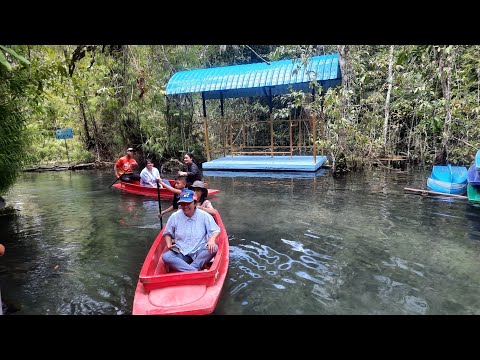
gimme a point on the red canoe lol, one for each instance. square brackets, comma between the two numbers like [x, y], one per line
[136, 188]
[160, 292]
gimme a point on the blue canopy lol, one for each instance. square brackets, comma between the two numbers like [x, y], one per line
[257, 79]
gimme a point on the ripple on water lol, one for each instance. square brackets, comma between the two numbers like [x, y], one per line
[400, 296]
[353, 244]
[317, 273]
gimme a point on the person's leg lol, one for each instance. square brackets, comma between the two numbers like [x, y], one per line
[125, 178]
[178, 262]
[135, 177]
[203, 257]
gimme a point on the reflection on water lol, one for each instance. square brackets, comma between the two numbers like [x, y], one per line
[321, 245]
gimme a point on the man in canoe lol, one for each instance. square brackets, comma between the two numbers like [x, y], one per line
[194, 232]
[124, 167]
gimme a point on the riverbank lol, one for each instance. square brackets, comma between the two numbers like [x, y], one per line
[62, 167]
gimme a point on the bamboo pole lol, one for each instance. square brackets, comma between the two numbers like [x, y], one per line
[428, 192]
[205, 125]
[314, 130]
[300, 137]
[231, 139]
[222, 114]
[271, 131]
[244, 136]
[291, 146]
[206, 137]
[224, 137]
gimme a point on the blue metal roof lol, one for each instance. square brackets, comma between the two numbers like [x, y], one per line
[256, 79]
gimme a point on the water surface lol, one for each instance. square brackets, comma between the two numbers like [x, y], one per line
[357, 244]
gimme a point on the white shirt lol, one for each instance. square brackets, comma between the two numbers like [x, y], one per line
[147, 176]
[190, 234]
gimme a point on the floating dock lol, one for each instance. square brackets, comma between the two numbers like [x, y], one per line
[266, 163]
[267, 174]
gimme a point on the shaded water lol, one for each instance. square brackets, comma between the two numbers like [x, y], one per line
[319, 245]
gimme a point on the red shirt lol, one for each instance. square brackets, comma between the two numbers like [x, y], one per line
[125, 165]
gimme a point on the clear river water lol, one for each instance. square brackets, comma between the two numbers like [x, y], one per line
[355, 244]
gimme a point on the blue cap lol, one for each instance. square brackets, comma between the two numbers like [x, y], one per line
[186, 196]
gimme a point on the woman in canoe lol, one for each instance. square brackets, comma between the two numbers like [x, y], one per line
[150, 175]
[192, 172]
[201, 193]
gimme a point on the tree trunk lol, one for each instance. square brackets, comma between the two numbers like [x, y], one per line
[387, 101]
[445, 62]
[93, 142]
[478, 86]
[342, 54]
[88, 139]
[95, 133]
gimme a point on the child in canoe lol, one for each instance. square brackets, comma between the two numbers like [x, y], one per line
[176, 189]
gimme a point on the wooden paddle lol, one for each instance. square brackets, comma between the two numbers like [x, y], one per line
[114, 181]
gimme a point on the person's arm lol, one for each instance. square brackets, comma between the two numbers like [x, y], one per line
[169, 232]
[208, 207]
[168, 241]
[115, 168]
[154, 184]
[171, 188]
[165, 211]
[211, 242]
[212, 228]
[144, 178]
[195, 171]
[156, 175]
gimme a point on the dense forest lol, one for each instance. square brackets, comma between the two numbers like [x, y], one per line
[405, 101]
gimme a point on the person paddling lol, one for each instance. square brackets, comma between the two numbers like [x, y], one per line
[124, 167]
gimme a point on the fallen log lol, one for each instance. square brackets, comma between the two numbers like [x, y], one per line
[61, 167]
[94, 165]
[436, 193]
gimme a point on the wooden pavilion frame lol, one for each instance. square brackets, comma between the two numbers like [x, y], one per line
[273, 150]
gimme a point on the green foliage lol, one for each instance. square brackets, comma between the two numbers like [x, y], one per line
[95, 90]
[18, 97]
